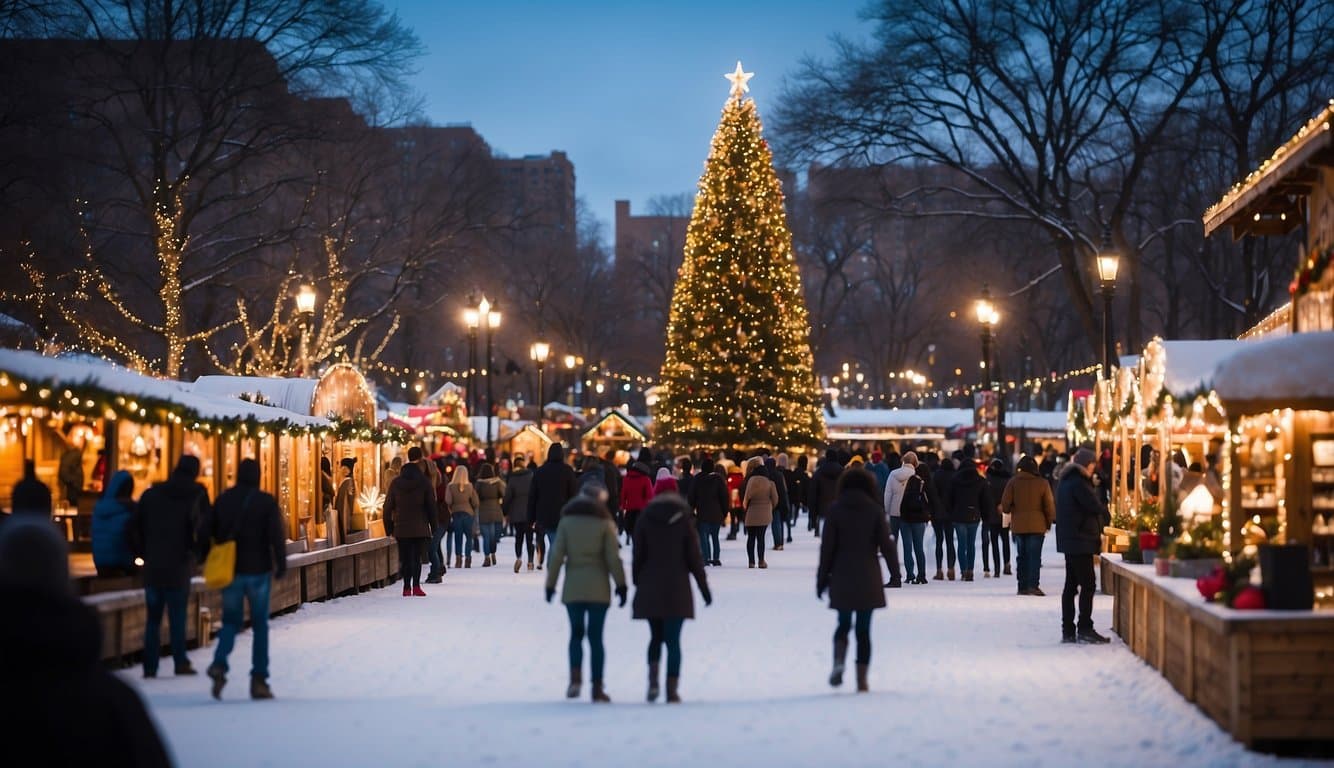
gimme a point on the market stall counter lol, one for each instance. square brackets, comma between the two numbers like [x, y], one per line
[1264, 676]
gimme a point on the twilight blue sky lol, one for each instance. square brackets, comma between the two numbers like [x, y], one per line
[631, 90]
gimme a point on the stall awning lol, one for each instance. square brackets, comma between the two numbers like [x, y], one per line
[846, 419]
[1189, 365]
[296, 395]
[1270, 201]
[1294, 371]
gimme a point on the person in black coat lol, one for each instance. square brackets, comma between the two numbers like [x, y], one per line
[666, 555]
[30, 495]
[781, 511]
[163, 533]
[941, 528]
[709, 499]
[854, 531]
[995, 533]
[61, 706]
[969, 495]
[1080, 518]
[823, 488]
[553, 485]
[251, 518]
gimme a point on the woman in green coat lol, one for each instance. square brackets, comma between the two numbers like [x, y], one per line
[586, 545]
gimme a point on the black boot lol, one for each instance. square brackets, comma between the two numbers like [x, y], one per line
[673, 696]
[1091, 637]
[259, 688]
[840, 656]
[572, 692]
[862, 672]
[219, 678]
[653, 681]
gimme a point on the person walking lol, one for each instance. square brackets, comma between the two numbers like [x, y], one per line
[111, 522]
[915, 512]
[799, 487]
[62, 705]
[708, 498]
[586, 547]
[411, 516]
[941, 527]
[251, 518]
[636, 491]
[968, 496]
[441, 531]
[685, 477]
[781, 510]
[736, 481]
[995, 524]
[461, 501]
[894, 488]
[1080, 518]
[855, 531]
[823, 488]
[1028, 500]
[794, 502]
[164, 533]
[515, 507]
[666, 554]
[553, 485]
[490, 492]
[665, 482]
[759, 500]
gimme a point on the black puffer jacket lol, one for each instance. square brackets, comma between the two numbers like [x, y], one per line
[163, 530]
[969, 495]
[553, 485]
[252, 517]
[666, 555]
[824, 487]
[708, 497]
[940, 497]
[997, 479]
[1080, 516]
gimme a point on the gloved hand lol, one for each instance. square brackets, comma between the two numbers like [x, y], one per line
[707, 595]
[550, 594]
[819, 590]
[620, 596]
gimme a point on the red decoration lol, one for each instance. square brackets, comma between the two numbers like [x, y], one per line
[1250, 598]
[1212, 584]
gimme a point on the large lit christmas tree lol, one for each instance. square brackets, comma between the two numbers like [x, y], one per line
[738, 370]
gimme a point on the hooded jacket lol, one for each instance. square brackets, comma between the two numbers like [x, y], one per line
[708, 497]
[251, 517]
[588, 548]
[409, 506]
[517, 488]
[997, 480]
[666, 555]
[552, 486]
[760, 500]
[111, 521]
[636, 487]
[894, 487]
[824, 486]
[164, 527]
[969, 495]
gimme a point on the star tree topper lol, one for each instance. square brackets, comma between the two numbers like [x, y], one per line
[739, 80]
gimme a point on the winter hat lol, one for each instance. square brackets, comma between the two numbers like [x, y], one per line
[876, 456]
[856, 461]
[33, 556]
[1085, 457]
[663, 473]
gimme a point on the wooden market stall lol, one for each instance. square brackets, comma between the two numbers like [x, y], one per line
[613, 431]
[531, 442]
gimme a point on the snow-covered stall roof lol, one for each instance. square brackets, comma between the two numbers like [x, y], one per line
[1290, 371]
[1190, 365]
[1038, 421]
[501, 429]
[897, 418]
[296, 395]
[448, 388]
[104, 376]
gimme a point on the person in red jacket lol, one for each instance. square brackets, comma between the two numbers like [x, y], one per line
[636, 490]
[736, 481]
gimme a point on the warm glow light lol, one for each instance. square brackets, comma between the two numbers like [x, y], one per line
[540, 351]
[493, 319]
[1109, 263]
[471, 318]
[569, 362]
[985, 311]
[484, 307]
[305, 299]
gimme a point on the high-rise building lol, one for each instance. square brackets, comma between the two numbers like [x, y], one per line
[540, 191]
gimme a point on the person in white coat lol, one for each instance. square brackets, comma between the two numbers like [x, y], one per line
[894, 487]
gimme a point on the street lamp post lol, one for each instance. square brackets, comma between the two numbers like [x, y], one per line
[540, 351]
[305, 309]
[492, 322]
[472, 319]
[1109, 263]
[988, 317]
[570, 362]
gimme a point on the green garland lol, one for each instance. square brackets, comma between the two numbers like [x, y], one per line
[1310, 272]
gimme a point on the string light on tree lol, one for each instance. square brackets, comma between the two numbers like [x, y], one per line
[738, 369]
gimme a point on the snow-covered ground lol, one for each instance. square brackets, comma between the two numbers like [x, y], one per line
[474, 674]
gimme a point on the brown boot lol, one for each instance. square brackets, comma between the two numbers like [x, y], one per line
[673, 696]
[653, 681]
[840, 656]
[259, 688]
[862, 670]
[576, 679]
[458, 561]
[600, 696]
[950, 573]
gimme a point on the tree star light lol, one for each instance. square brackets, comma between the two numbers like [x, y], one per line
[739, 80]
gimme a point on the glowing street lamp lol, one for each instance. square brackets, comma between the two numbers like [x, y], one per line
[1109, 263]
[539, 352]
[305, 310]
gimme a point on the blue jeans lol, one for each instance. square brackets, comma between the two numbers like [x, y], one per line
[461, 525]
[966, 533]
[913, 541]
[587, 619]
[490, 537]
[437, 557]
[551, 540]
[175, 602]
[1028, 556]
[708, 541]
[255, 588]
[666, 632]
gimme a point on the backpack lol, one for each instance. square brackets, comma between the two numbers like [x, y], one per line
[914, 501]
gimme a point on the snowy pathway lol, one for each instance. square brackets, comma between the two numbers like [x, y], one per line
[474, 674]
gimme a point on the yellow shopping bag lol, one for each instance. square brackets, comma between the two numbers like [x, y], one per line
[220, 566]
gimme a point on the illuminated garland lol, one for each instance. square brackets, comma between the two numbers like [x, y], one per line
[1310, 272]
